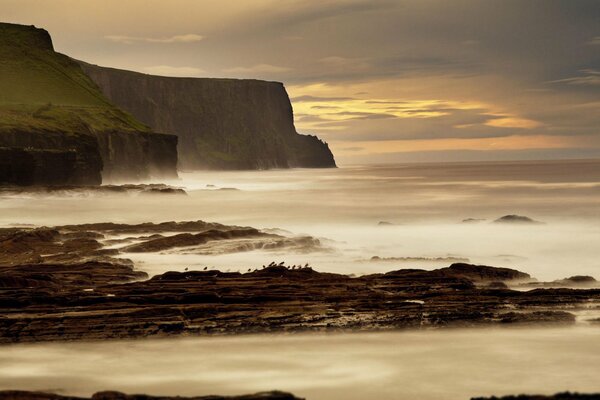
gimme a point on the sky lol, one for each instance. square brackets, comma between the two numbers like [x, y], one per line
[380, 80]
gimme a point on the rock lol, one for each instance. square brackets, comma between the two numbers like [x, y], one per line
[497, 285]
[516, 219]
[61, 129]
[420, 259]
[483, 273]
[580, 280]
[59, 283]
[538, 317]
[78, 190]
[221, 123]
[559, 396]
[189, 239]
[572, 282]
[472, 220]
[385, 223]
[23, 395]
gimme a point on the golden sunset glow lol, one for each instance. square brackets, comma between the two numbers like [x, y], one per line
[366, 71]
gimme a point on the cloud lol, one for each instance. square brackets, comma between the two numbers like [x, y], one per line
[336, 62]
[258, 69]
[311, 99]
[507, 121]
[187, 38]
[168, 70]
[589, 77]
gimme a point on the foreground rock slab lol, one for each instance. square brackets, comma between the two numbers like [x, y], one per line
[559, 396]
[23, 395]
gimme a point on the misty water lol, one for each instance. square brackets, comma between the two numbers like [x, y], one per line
[440, 365]
[424, 206]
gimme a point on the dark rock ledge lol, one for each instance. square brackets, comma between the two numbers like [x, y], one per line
[558, 396]
[275, 395]
[23, 395]
[62, 284]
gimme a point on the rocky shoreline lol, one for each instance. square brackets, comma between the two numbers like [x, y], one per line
[65, 283]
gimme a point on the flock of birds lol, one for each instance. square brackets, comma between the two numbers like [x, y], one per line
[272, 264]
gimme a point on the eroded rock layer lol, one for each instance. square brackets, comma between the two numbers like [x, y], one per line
[64, 283]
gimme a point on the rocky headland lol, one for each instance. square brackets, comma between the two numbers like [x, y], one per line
[221, 123]
[69, 283]
[56, 127]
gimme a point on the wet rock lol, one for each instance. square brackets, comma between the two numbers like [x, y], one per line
[538, 317]
[577, 281]
[559, 396]
[385, 223]
[516, 219]
[23, 395]
[483, 273]
[59, 283]
[420, 259]
[74, 190]
[472, 220]
[189, 239]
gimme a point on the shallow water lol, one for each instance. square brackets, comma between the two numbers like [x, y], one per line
[449, 364]
[426, 204]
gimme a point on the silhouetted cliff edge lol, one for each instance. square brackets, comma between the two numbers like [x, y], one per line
[56, 127]
[221, 123]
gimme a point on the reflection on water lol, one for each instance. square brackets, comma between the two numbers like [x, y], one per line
[449, 364]
[426, 204]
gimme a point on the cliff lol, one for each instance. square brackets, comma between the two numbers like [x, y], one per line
[221, 123]
[54, 118]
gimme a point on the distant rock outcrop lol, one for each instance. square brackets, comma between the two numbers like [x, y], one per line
[221, 123]
[56, 127]
[516, 219]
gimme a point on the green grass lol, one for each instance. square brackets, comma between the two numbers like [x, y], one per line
[44, 90]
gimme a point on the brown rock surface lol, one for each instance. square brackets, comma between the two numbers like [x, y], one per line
[24, 395]
[61, 284]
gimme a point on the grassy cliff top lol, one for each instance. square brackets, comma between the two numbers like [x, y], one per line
[47, 91]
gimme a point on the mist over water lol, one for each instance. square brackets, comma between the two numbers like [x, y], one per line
[430, 365]
[425, 205]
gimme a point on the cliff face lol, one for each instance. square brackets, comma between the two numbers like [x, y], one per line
[221, 123]
[49, 106]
